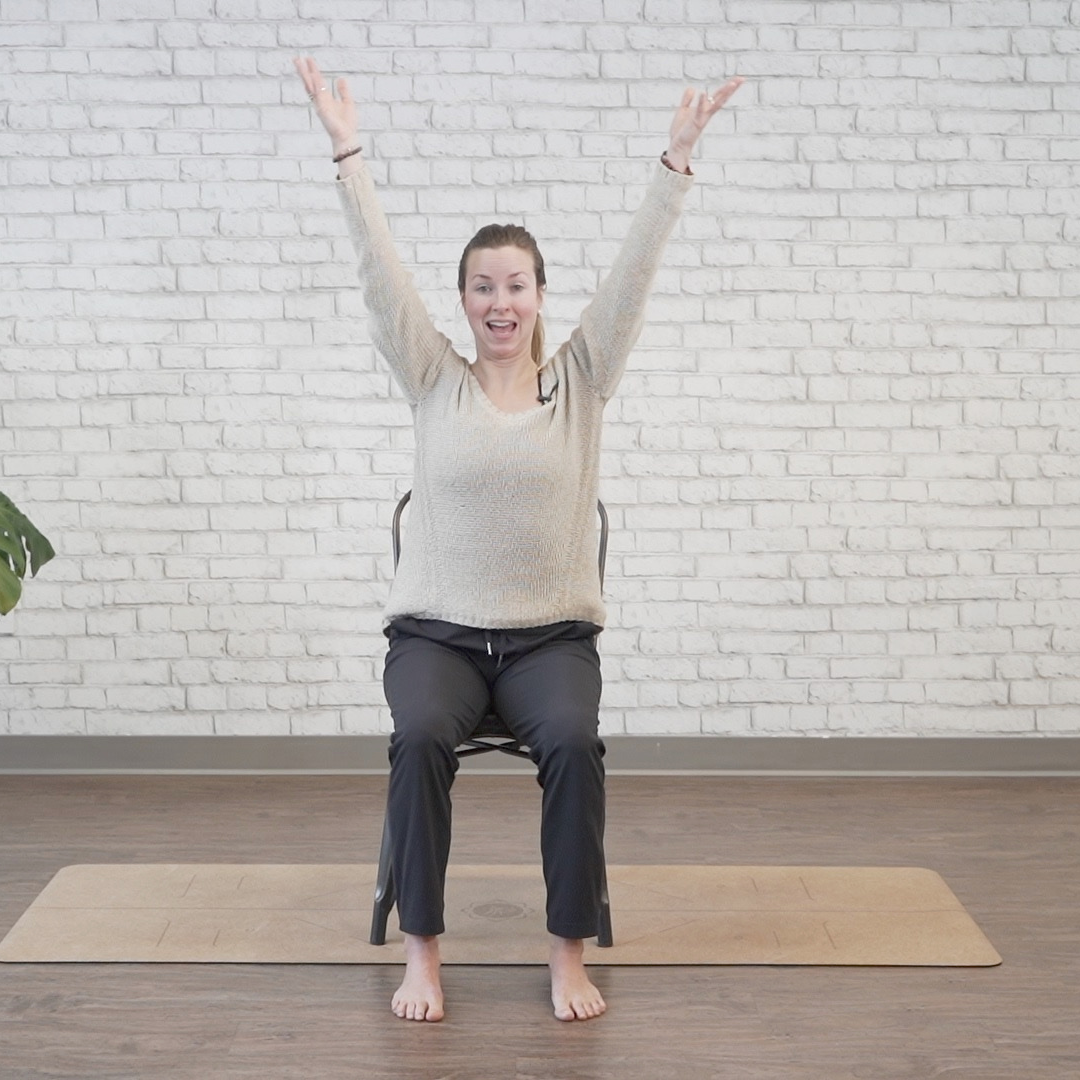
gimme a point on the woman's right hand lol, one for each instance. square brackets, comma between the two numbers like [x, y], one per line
[338, 117]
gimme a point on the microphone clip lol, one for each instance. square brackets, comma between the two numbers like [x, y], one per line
[540, 395]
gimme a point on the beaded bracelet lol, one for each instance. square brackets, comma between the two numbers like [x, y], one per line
[347, 153]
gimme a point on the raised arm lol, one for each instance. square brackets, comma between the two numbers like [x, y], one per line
[401, 327]
[612, 321]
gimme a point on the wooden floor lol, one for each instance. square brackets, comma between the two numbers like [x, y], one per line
[1009, 848]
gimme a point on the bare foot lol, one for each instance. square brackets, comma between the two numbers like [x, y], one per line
[420, 995]
[572, 992]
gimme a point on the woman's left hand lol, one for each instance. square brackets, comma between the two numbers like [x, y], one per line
[691, 118]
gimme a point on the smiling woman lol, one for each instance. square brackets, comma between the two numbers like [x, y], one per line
[501, 281]
[502, 302]
[497, 597]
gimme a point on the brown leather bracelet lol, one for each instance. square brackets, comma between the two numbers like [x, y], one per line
[348, 153]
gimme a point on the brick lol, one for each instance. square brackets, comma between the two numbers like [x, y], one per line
[850, 401]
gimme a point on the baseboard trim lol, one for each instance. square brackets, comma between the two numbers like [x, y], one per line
[677, 755]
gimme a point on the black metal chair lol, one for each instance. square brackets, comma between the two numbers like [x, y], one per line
[491, 734]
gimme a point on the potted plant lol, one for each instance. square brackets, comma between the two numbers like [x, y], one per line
[18, 538]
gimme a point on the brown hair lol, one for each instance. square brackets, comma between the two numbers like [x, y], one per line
[499, 236]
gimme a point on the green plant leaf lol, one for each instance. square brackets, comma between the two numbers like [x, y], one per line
[10, 589]
[17, 538]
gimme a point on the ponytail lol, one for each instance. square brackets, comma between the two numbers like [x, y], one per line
[538, 341]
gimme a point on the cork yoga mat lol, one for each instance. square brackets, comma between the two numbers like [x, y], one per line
[321, 914]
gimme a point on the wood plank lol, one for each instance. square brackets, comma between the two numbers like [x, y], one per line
[1006, 847]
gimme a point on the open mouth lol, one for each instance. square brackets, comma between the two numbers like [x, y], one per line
[501, 329]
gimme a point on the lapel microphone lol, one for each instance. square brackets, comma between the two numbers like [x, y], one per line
[540, 395]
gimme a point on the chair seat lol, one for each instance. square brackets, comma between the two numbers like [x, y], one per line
[492, 727]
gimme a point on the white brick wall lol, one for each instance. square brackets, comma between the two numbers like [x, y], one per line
[843, 466]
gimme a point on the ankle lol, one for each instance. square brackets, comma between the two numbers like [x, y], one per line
[567, 949]
[422, 945]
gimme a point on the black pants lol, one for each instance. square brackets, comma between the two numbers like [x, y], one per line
[440, 679]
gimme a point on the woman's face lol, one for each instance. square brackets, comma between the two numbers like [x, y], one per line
[501, 301]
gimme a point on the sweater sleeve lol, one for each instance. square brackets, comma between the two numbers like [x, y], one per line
[612, 321]
[402, 329]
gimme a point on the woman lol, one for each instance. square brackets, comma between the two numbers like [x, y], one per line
[496, 597]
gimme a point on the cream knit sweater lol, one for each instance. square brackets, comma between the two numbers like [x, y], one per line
[501, 529]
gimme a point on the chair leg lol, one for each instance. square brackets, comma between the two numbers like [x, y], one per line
[603, 935]
[384, 890]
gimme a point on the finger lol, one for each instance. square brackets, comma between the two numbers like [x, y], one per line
[315, 82]
[343, 91]
[706, 106]
[312, 76]
[685, 103]
[721, 96]
[301, 69]
[682, 111]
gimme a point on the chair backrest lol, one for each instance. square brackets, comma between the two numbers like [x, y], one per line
[601, 555]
